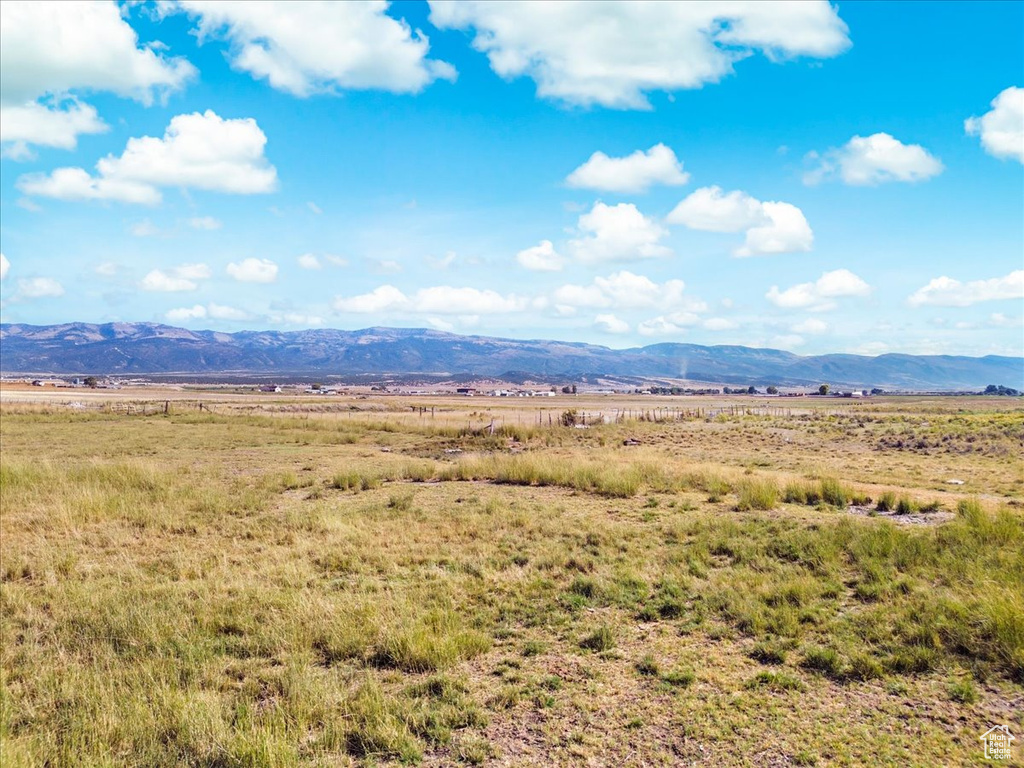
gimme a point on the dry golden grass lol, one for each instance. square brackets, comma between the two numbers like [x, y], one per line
[243, 588]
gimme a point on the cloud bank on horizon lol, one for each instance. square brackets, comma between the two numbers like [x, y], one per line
[767, 174]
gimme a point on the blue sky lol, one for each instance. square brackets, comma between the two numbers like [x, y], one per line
[811, 177]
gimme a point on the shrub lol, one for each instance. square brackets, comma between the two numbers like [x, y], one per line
[886, 502]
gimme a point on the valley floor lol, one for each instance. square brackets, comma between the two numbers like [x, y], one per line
[373, 582]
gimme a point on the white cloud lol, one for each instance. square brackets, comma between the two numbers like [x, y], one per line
[144, 228]
[441, 325]
[787, 341]
[819, 296]
[309, 261]
[181, 314]
[1002, 128]
[999, 320]
[710, 210]
[106, 269]
[200, 151]
[76, 184]
[811, 325]
[337, 261]
[465, 301]
[294, 318]
[176, 279]
[59, 126]
[634, 173]
[5, 266]
[385, 266]
[442, 262]
[314, 208]
[624, 290]
[253, 271]
[204, 222]
[50, 50]
[540, 258]
[720, 324]
[211, 311]
[617, 233]
[947, 292]
[385, 298]
[611, 324]
[437, 300]
[39, 288]
[787, 231]
[613, 54]
[771, 227]
[321, 47]
[870, 160]
[673, 324]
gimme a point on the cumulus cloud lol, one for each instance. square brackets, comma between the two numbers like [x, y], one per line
[786, 231]
[870, 160]
[811, 325]
[309, 261]
[382, 299]
[637, 172]
[5, 266]
[719, 324]
[294, 318]
[711, 210]
[624, 290]
[613, 54]
[820, 295]
[540, 258]
[947, 292]
[50, 50]
[440, 300]
[199, 151]
[320, 47]
[253, 271]
[617, 233]
[1002, 128]
[176, 279]
[610, 324]
[204, 222]
[211, 311]
[673, 324]
[771, 227]
[38, 288]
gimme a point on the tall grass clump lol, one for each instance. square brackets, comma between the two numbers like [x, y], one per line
[761, 493]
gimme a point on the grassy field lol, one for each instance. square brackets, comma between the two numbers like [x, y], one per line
[279, 582]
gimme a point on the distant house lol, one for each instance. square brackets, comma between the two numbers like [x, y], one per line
[467, 391]
[270, 388]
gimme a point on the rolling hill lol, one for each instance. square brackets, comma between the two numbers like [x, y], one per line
[142, 349]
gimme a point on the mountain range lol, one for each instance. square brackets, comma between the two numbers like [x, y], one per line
[141, 349]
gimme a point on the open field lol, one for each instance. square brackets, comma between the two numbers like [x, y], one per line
[272, 581]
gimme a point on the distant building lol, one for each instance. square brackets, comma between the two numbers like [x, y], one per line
[467, 391]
